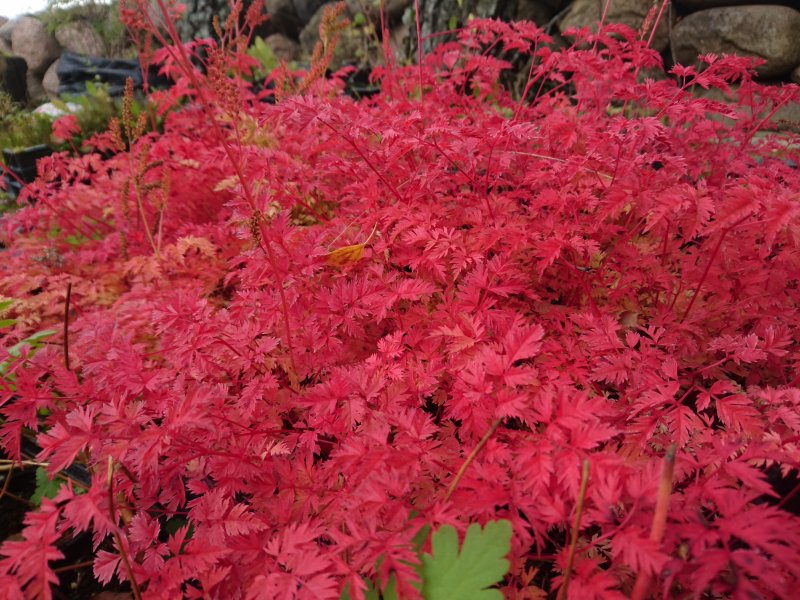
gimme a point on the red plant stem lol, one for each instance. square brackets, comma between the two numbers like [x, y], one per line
[373, 168]
[764, 120]
[708, 266]
[66, 325]
[188, 69]
[576, 527]
[483, 441]
[659, 525]
[137, 594]
[6, 482]
[599, 25]
[419, 45]
[80, 565]
[8, 171]
[657, 21]
[788, 496]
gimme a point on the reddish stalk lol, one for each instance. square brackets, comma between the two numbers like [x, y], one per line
[6, 482]
[365, 158]
[76, 566]
[658, 20]
[419, 45]
[664, 247]
[137, 594]
[708, 266]
[66, 325]
[471, 458]
[189, 71]
[659, 525]
[14, 176]
[576, 527]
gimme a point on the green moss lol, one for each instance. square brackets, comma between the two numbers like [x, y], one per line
[20, 129]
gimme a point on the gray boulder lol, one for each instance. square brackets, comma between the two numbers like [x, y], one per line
[348, 50]
[6, 27]
[586, 13]
[81, 38]
[305, 9]
[693, 5]
[50, 81]
[770, 32]
[284, 48]
[31, 41]
[538, 11]
[36, 93]
[393, 10]
[786, 118]
[283, 18]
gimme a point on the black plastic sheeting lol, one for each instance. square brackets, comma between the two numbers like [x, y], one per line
[74, 70]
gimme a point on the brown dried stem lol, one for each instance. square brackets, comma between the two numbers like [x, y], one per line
[137, 594]
[576, 526]
[66, 325]
[659, 525]
[471, 458]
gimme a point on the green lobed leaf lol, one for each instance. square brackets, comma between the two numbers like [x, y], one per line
[45, 487]
[469, 574]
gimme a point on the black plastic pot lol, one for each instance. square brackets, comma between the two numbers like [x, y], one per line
[22, 163]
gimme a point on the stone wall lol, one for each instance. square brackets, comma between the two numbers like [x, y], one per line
[28, 38]
[686, 29]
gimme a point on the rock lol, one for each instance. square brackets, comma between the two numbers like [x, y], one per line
[284, 48]
[196, 21]
[586, 13]
[50, 81]
[348, 51]
[6, 29]
[283, 18]
[538, 11]
[399, 40]
[5, 47]
[3, 21]
[554, 5]
[770, 32]
[305, 9]
[693, 5]
[796, 75]
[36, 93]
[786, 118]
[31, 41]
[393, 10]
[81, 38]
[12, 77]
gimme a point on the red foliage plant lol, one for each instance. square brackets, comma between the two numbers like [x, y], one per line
[601, 269]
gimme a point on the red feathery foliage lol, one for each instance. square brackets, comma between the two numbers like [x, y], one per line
[608, 266]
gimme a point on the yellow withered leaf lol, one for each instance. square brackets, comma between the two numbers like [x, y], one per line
[345, 255]
[227, 184]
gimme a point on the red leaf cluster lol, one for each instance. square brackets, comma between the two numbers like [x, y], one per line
[607, 266]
